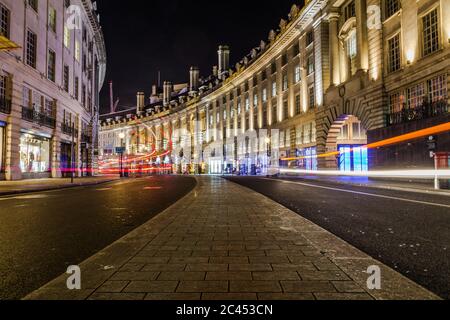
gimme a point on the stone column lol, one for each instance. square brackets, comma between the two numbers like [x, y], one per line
[12, 131]
[335, 75]
[56, 145]
[361, 34]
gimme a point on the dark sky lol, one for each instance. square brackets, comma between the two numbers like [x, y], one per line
[144, 36]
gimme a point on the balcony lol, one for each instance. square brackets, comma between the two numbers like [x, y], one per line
[5, 106]
[67, 129]
[425, 111]
[31, 115]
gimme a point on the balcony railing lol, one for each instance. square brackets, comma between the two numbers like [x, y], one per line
[67, 129]
[31, 115]
[425, 111]
[5, 106]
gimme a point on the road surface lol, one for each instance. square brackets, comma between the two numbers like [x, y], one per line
[408, 231]
[41, 234]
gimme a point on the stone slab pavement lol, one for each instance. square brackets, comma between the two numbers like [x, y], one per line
[38, 185]
[225, 242]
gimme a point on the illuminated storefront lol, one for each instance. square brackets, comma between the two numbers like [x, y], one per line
[34, 155]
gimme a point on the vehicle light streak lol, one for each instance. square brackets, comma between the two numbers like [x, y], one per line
[384, 143]
[414, 174]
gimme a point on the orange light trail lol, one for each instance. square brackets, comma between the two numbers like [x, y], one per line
[388, 142]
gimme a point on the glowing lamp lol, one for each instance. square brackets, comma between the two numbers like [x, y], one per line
[409, 57]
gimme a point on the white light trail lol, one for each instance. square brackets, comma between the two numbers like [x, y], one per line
[412, 174]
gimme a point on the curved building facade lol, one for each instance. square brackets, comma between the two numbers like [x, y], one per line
[333, 76]
[52, 66]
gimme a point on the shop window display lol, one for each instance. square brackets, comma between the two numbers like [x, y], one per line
[34, 154]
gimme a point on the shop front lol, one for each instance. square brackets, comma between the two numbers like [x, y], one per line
[2, 149]
[66, 159]
[35, 156]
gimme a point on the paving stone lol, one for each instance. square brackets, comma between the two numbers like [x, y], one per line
[228, 260]
[294, 267]
[112, 286]
[150, 260]
[182, 276]
[250, 267]
[164, 267]
[255, 286]
[173, 296]
[132, 267]
[229, 296]
[203, 286]
[348, 287]
[231, 275]
[207, 267]
[276, 275]
[285, 296]
[308, 286]
[269, 260]
[117, 296]
[191, 260]
[343, 296]
[323, 275]
[152, 286]
[135, 276]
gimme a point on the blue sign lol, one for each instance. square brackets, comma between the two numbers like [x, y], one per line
[2, 124]
[120, 150]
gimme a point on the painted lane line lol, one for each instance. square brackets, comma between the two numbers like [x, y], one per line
[362, 193]
[152, 188]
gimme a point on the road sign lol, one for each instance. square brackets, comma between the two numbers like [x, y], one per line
[120, 150]
[432, 143]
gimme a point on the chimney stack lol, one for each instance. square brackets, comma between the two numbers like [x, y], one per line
[194, 76]
[224, 60]
[140, 101]
[167, 94]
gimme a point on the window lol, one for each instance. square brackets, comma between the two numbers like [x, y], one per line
[247, 104]
[394, 53]
[296, 50]
[273, 67]
[274, 89]
[66, 78]
[52, 19]
[430, 33]
[437, 89]
[274, 114]
[415, 96]
[255, 100]
[33, 4]
[83, 95]
[26, 97]
[285, 110]
[310, 63]
[31, 49]
[51, 65]
[309, 38]
[66, 3]
[4, 21]
[392, 7]
[396, 102]
[3, 81]
[285, 82]
[264, 95]
[350, 11]
[66, 37]
[224, 114]
[312, 97]
[298, 74]
[77, 50]
[298, 109]
[284, 59]
[352, 50]
[264, 75]
[49, 107]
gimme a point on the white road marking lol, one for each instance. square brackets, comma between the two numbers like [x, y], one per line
[363, 193]
[27, 197]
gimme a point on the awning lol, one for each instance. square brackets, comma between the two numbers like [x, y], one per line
[6, 44]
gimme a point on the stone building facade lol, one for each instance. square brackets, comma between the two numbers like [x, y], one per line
[314, 93]
[49, 88]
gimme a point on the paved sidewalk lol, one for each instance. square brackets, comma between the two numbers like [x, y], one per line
[37, 185]
[225, 242]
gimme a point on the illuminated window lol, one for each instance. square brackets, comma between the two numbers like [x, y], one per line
[4, 21]
[255, 100]
[430, 32]
[437, 89]
[77, 50]
[298, 74]
[392, 7]
[264, 95]
[247, 104]
[312, 97]
[352, 50]
[396, 102]
[66, 37]
[310, 64]
[274, 89]
[394, 53]
[285, 82]
[415, 96]
[52, 19]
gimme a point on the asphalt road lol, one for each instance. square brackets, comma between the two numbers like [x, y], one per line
[41, 234]
[409, 232]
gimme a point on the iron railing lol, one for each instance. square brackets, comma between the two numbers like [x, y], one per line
[85, 138]
[425, 111]
[67, 129]
[31, 115]
[5, 106]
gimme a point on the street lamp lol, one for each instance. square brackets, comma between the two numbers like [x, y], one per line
[121, 137]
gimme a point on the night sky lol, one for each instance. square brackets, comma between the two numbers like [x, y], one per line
[144, 36]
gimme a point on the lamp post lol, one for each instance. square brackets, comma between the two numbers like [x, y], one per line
[121, 137]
